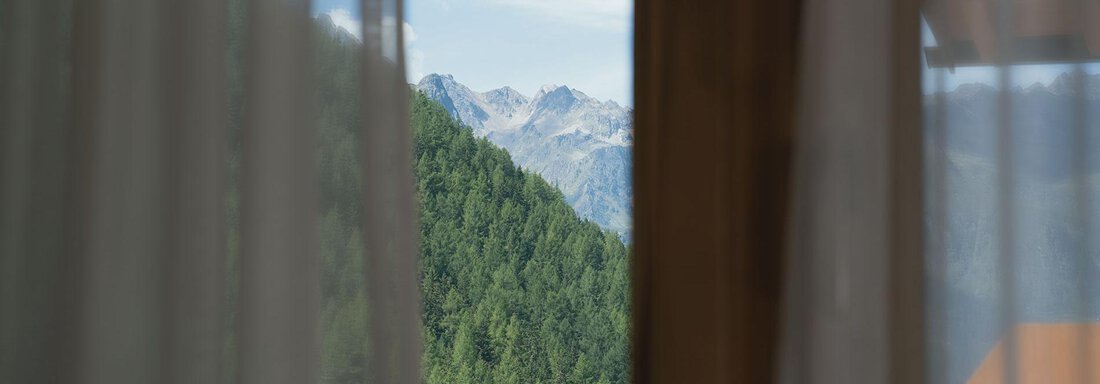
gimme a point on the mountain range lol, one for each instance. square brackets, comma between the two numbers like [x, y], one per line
[580, 144]
[515, 286]
[577, 142]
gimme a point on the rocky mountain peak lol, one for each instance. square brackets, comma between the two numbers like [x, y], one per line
[342, 36]
[1037, 87]
[559, 99]
[1063, 85]
[1066, 84]
[460, 101]
[574, 141]
[506, 101]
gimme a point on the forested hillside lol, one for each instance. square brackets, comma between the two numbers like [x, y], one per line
[516, 288]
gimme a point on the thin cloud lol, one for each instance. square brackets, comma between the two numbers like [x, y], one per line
[344, 19]
[414, 63]
[414, 57]
[603, 14]
[410, 33]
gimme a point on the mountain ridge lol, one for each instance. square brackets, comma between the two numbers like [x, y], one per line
[514, 286]
[579, 143]
[342, 35]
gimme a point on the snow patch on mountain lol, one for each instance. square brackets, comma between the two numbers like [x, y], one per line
[579, 143]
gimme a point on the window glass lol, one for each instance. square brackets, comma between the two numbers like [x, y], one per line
[1011, 197]
[521, 113]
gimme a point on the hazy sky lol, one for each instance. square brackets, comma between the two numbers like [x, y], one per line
[486, 44]
[585, 44]
[1022, 75]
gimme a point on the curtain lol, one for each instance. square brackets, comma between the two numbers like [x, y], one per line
[116, 125]
[1011, 258]
[715, 86]
[943, 217]
[854, 288]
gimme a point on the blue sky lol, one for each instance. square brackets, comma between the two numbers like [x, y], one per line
[487, 44]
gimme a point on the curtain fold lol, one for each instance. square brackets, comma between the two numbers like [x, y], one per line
[715, 86]
[390, 212]
[279, 292]
[854, 286]
[119, 105]
[195, 277]
[39, 155]
[117, 179]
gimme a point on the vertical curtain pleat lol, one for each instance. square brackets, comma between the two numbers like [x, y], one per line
[937, 240]
[1006, 189]
[907, 291]
[389, 201]
[197, 110]
[715, 93]
[854, 305]
[149, 105]
[279, 290]
[119, 104]
[1082, 203]
[38, 153]
[1082, 220]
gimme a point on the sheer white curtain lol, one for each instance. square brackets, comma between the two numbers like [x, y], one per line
[854, 287]
[1011, 120]
[113, 179]
[944, 231]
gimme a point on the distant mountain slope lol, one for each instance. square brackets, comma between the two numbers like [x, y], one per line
[575, 141]
[1050, 270]
[517, 288]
